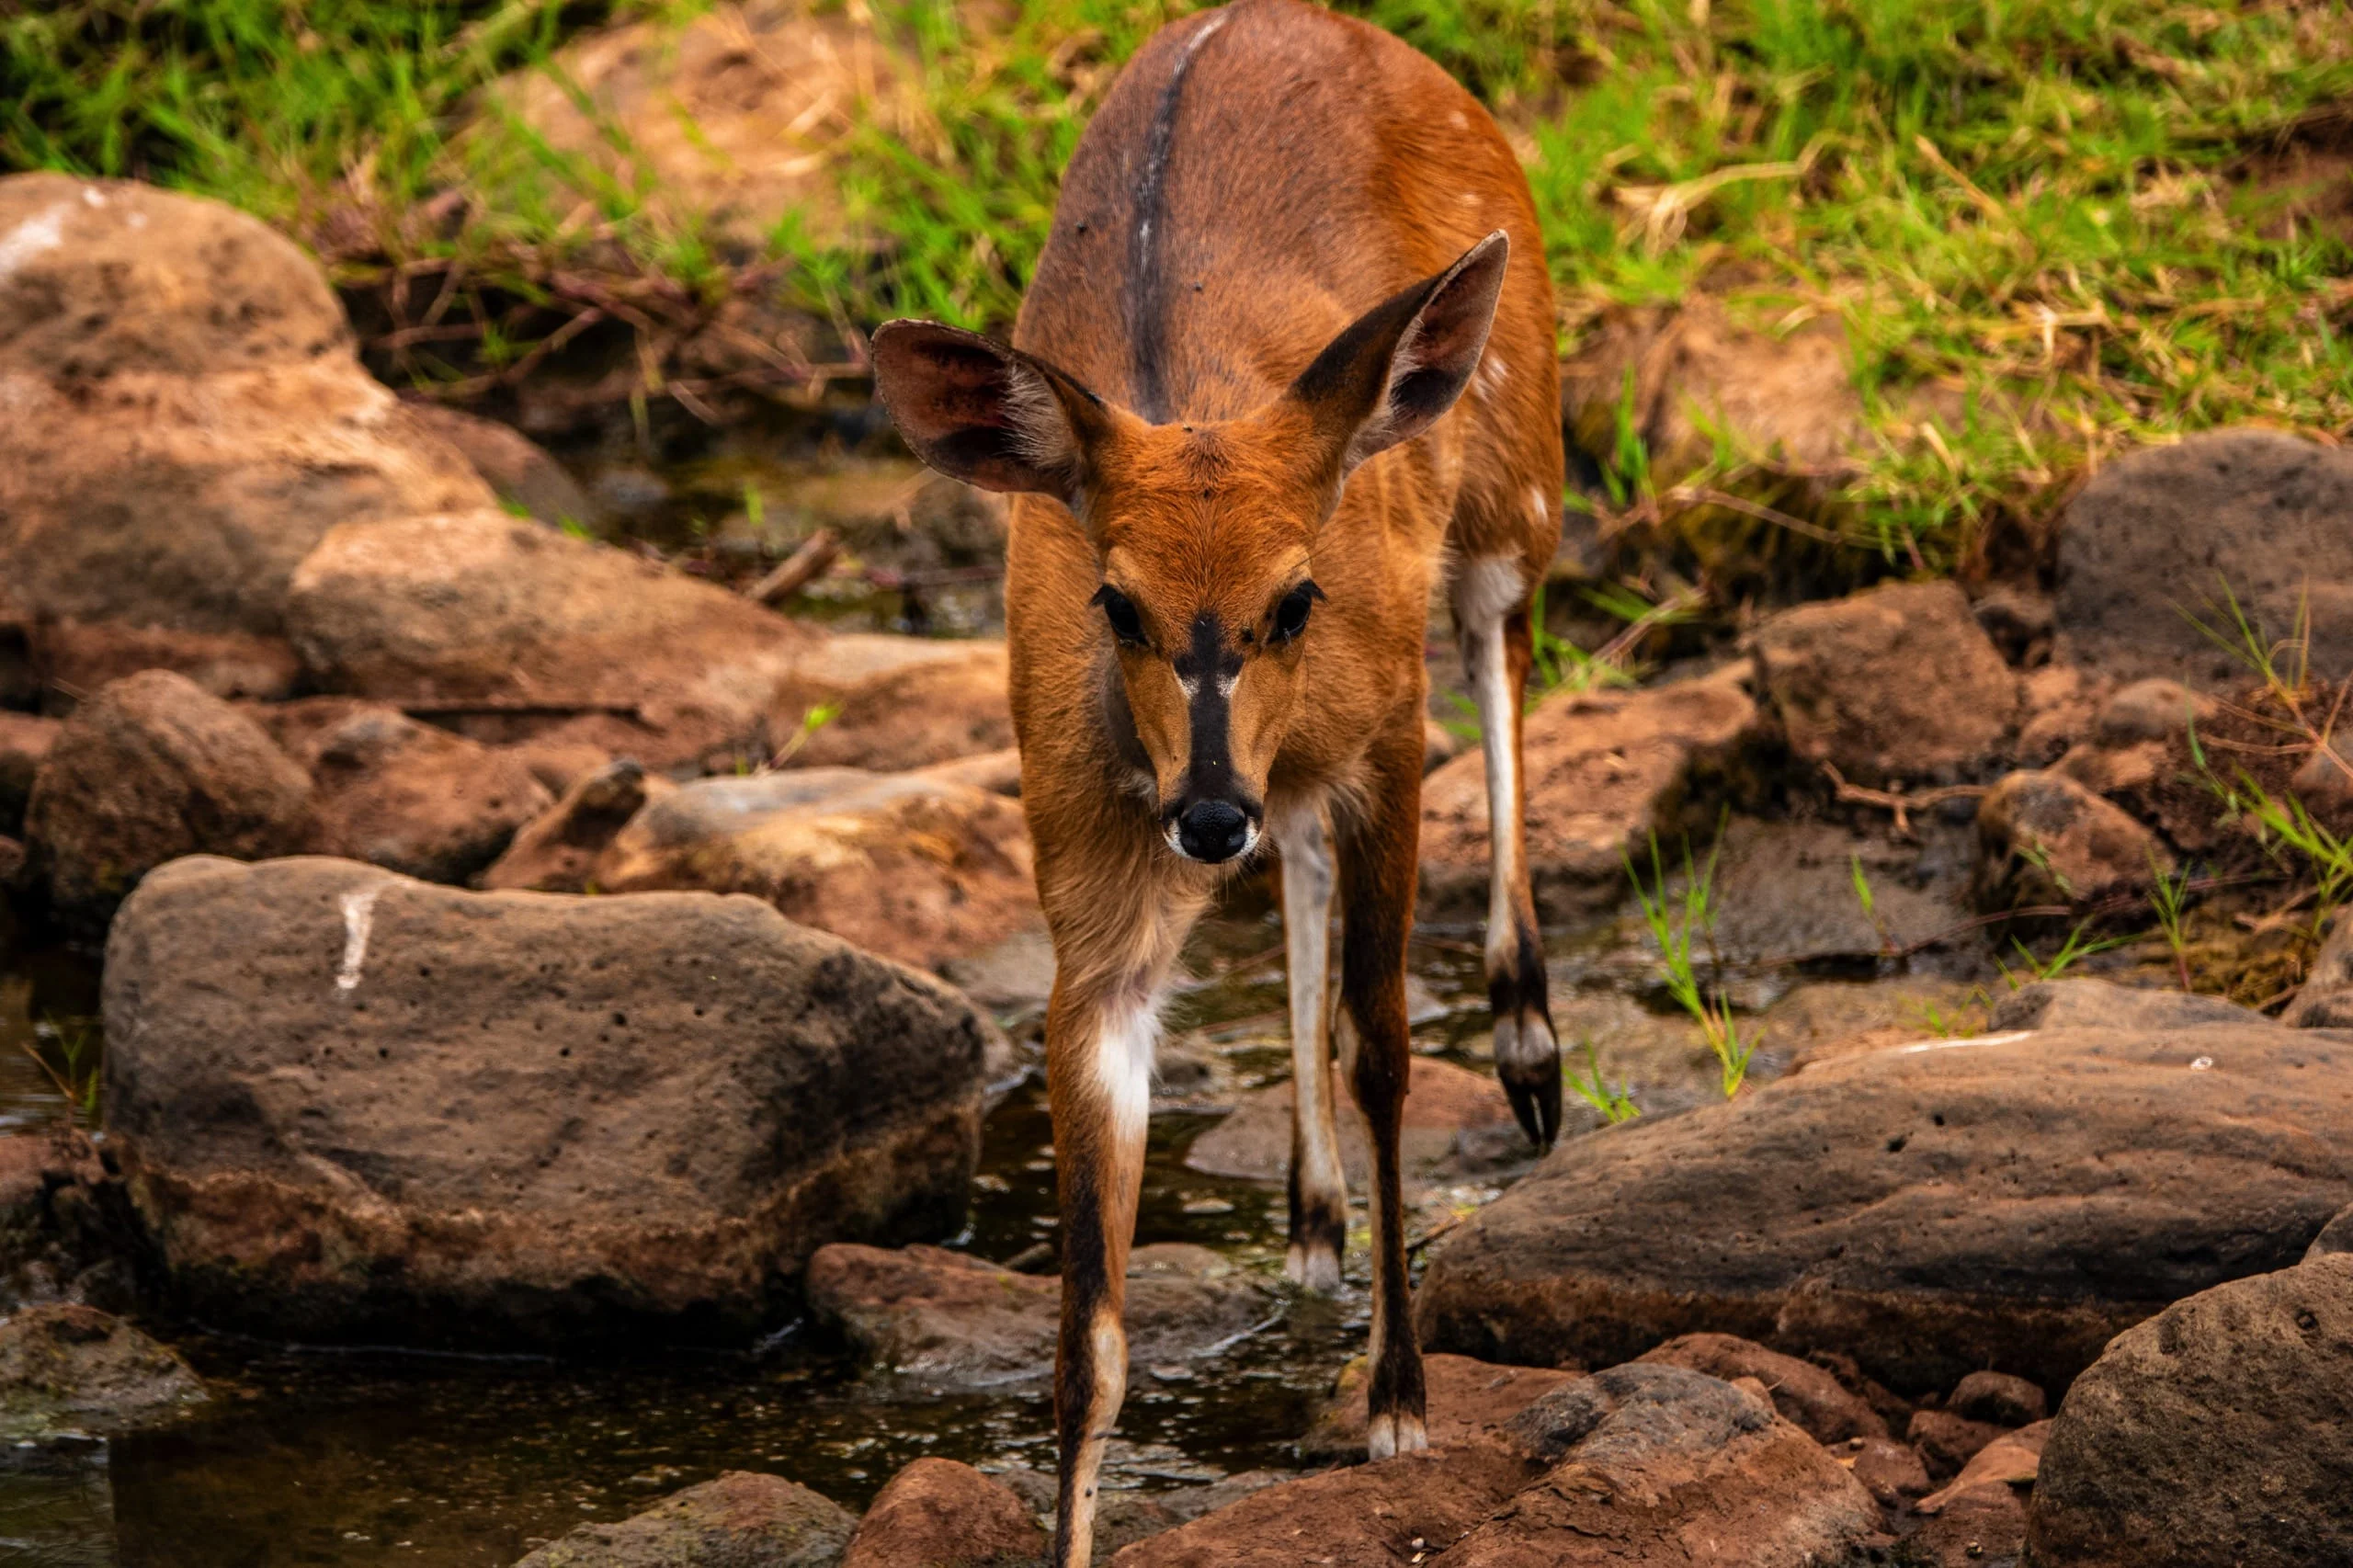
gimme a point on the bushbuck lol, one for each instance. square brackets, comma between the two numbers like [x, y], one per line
[1286, 247]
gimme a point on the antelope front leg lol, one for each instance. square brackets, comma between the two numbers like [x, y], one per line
[1098, 1075]
[1319, 1187]
[1378, 858]
[1490, 613]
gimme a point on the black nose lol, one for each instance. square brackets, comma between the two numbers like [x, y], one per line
[1212, 831]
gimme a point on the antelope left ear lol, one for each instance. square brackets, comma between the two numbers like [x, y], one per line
[1402, 364]
[990, 416]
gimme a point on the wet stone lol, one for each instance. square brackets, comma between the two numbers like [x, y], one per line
[742, 1520]
[68, 1369]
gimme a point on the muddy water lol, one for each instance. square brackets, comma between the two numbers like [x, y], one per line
[364, 1457]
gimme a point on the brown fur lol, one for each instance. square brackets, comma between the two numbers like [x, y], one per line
[1155, 418]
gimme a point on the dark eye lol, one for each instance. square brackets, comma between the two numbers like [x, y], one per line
[1121, 611]
[1290, 616]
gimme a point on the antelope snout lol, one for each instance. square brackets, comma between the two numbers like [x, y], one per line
[1212, 831]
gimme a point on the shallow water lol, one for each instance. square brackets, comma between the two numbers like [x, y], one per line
[361, 1457]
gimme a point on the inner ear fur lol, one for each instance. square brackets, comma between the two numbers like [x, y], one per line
[990, 416]
[1394, 370]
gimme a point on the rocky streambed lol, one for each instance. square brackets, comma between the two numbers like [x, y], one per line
[513, 1048]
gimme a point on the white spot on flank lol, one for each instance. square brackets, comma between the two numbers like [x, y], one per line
[1540, 503]
[43, 231]
[1460, 121]
[94, 195]
[358, 921]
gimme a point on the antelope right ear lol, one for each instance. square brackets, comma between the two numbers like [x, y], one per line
[1402, 364]
[990, 416]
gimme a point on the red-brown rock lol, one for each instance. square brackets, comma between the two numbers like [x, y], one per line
[1468, 1402]
[1371, 1515]
[898, 702]
[72, 1368]
[940, 1514]
[2257, 514]
[1804, 1395]
[402, 795]
[2213, 1436]
[2045, 839]
[914, 867]
[1946, 1442]
[1998, 1398]
[149, 769]
[2011, 1459]
[186, 419]
[516, 631]
[557, 852]
[742, 1518]
[1891, 1470]
[1898, 683]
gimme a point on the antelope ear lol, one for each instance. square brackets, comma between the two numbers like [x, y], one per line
[1402, 364]
[990, 416]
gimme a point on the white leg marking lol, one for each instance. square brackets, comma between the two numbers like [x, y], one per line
[1126, 1036]
[1489, 588]
[1307, 940]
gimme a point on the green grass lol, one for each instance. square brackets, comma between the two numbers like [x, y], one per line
[2069, 953]
[1611, 1102]
[2037, 206]
[68, 1052]
[1675, 923]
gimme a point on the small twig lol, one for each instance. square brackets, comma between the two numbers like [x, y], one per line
[797, 570]
[1902, 805]
[1709, 495]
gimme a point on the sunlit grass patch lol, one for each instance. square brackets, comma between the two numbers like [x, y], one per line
[2039, 224]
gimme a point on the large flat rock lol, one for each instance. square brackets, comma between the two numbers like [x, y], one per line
[2008, 1202]
[349, 1104]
